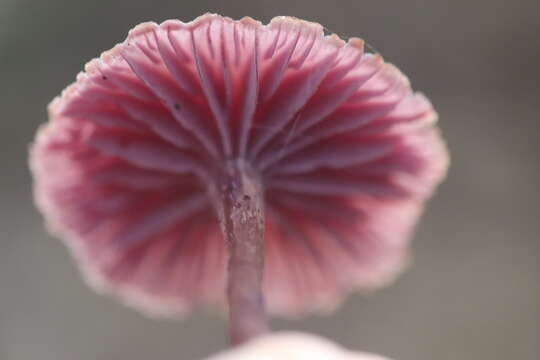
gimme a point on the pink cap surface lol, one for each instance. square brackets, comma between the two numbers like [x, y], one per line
[347, 153]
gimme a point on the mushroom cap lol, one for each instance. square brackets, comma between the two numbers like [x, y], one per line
[346, 151]
[289, 345]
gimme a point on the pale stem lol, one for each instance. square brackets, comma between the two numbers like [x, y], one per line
[240, 205]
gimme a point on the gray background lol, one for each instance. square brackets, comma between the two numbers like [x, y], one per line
[473, 291]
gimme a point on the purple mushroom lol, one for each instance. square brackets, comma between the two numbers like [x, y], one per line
[192, 159]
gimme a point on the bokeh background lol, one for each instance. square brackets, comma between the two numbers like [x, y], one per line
[473, 291]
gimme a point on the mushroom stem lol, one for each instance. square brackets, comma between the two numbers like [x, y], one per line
[241, 212]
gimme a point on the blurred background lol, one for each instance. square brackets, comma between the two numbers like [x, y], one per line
[473, 291]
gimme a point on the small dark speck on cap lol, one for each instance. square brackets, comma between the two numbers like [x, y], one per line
[177, 106]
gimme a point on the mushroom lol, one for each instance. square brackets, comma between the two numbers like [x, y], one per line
[292, 346]
[191, 157]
